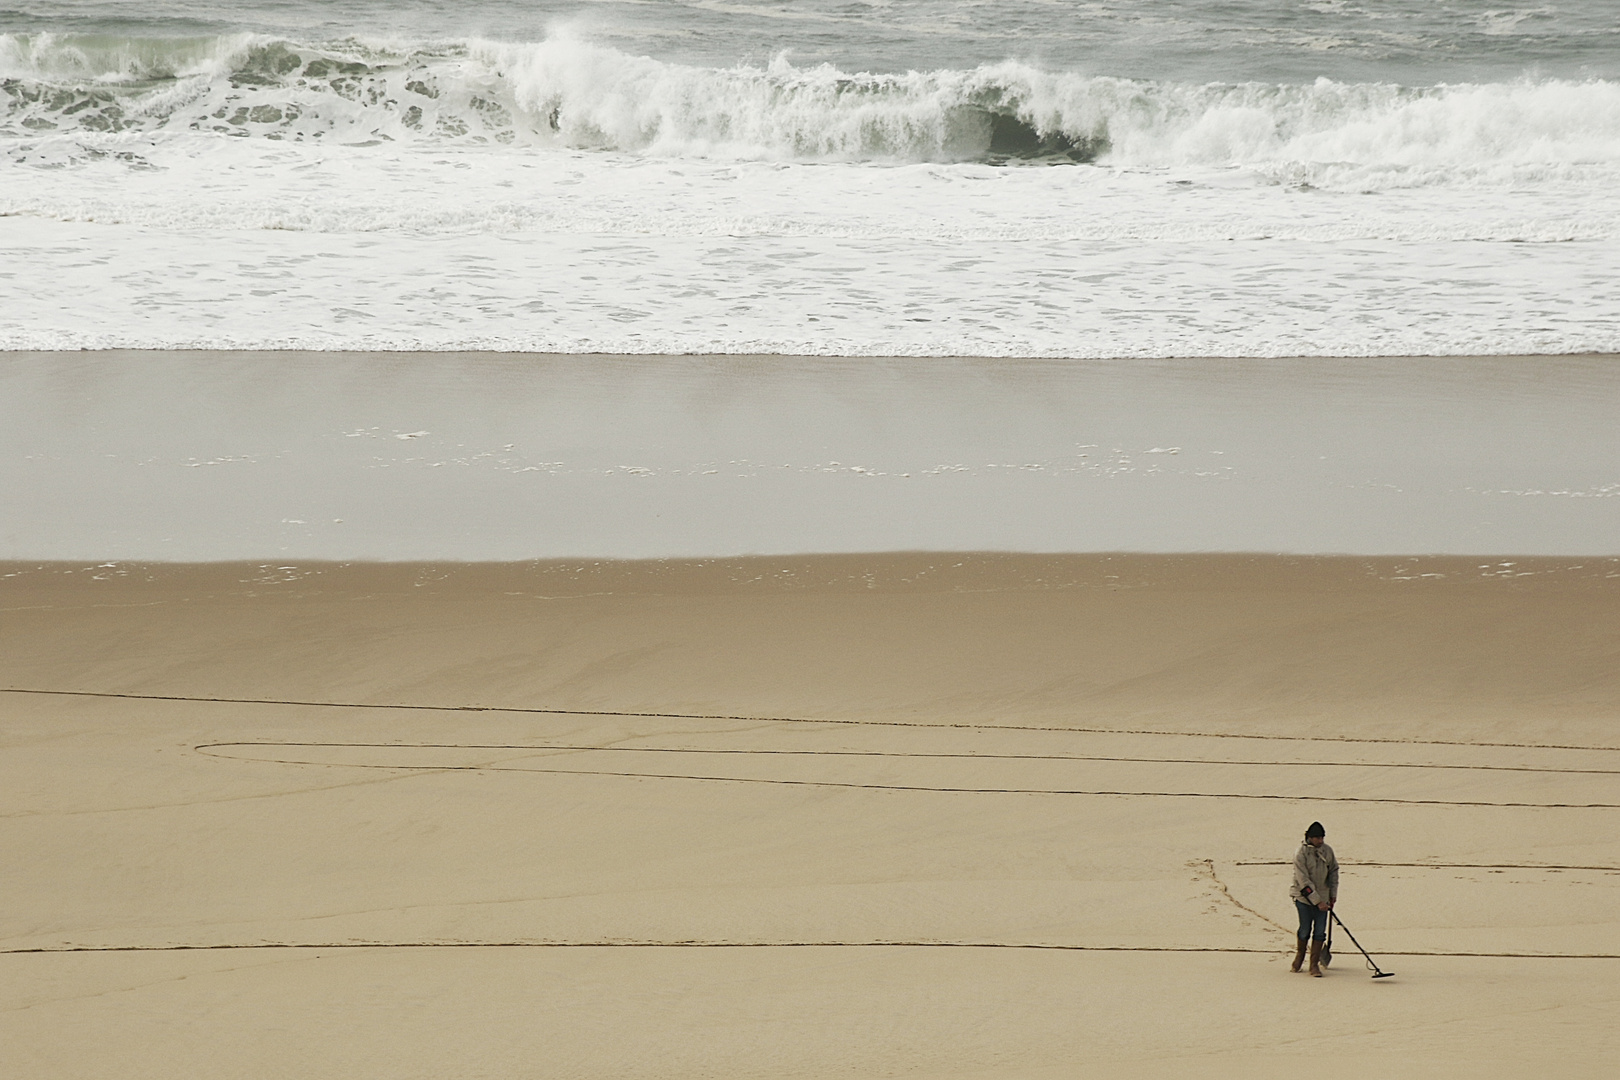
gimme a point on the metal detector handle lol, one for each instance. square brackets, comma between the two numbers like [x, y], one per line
[1378, 972]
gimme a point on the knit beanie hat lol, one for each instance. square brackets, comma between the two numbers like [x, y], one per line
[1315, 830]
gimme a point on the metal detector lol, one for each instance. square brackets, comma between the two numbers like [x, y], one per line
[1333, 917]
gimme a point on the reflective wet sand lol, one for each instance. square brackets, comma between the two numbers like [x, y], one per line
[199, 456]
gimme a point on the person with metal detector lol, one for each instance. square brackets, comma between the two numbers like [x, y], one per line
[1314, 891]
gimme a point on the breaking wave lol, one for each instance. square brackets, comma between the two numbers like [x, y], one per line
[569, 93]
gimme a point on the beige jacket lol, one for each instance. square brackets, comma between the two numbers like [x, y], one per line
[1318, 869]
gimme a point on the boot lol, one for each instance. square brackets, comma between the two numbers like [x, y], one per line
[1316, 956]
[1299, 955]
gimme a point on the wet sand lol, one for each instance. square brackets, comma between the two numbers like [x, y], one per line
[932, 815]
[198, 456]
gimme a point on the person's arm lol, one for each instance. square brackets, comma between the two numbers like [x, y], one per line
[1302, 879]
[1332, 879]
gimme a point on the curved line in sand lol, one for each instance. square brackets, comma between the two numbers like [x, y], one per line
[203, 748]
[797, 720]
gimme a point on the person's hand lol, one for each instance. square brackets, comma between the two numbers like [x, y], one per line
[1325, 907]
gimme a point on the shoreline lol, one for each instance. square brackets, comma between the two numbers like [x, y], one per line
[115, 350]
[910, 570]
[207, 456]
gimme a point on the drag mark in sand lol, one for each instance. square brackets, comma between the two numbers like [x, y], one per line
[442, 758]
[613, 944]
[1447, 865]
[212, 749]
[939, 725]
[1206, 868]
[919, 755]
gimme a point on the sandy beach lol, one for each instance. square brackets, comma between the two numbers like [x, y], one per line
[931, 815]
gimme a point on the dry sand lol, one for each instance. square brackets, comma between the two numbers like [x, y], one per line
[877, 782]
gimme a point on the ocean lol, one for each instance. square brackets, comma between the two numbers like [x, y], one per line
[1120, 178]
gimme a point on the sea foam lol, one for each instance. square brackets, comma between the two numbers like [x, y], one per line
[254, 192]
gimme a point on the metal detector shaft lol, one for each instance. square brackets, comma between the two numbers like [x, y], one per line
[1378, 973]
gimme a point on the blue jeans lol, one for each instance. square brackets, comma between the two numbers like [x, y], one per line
[1312, 921]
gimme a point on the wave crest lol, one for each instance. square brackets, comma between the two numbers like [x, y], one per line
[564, 92]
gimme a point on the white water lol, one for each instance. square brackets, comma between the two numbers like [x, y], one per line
[258, 245]
[253, 190]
